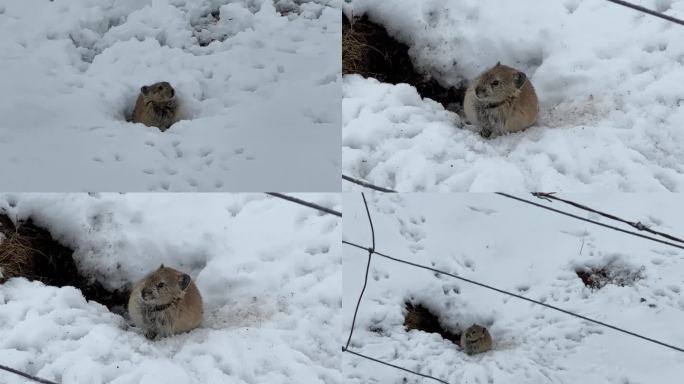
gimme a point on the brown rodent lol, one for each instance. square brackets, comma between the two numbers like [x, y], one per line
[476, 339]
[156, 106]
[502, 100]
[165, 302]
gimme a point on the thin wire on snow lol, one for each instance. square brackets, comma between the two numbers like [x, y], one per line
[635, 224]
[395, 366]
[305, 203]
[365, 280]
[372, 251]
[26, 375]
[367, 184]
[591, 221]
[648, 11]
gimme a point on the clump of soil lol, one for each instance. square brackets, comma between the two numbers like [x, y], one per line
[368, 50]
[204, 28]
[420, 318]
[613, 273]
[30, 251]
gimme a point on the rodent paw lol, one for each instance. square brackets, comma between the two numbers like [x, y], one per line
[151, 335]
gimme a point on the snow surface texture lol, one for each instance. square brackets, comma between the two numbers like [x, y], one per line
[527, 251]
[609, 81]
[269, 272]
[259, 93]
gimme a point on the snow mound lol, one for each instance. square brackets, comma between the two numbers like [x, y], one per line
[524, 250]
[269, 272]
[610, 114]
[74, 70]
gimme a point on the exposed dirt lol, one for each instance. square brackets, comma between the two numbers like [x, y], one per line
[420, 318]
[597, 278]
[368, 50]
[30, 251]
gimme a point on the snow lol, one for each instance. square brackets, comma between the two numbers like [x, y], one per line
[269, 272]
[608, 79]
[527, 251]
[259, 95]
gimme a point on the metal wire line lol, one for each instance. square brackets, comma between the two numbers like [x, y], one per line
[649, 11]
[365, 280]
[589, 220]
[26, 375]
[367, 184]
[396, 366]
[369, 221]
[638, 225]
[305, 203]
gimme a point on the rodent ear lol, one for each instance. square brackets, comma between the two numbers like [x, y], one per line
[184, 281]
[498, 64]
[145, 90]
[519, 79]
[161, 267]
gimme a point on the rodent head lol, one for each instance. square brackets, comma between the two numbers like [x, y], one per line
[164, 285]
[158, 92]
[499, 83]
[475, 332]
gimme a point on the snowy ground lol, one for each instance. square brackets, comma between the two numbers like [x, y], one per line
[269, 272]
[260, 103]
[609, 81]
[531, 252]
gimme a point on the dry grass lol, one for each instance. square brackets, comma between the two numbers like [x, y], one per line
[354, 50]
[16, 257]
[358, 49]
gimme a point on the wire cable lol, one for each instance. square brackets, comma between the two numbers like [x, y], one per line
[366, 184]
[26, 375]
[638, 225]
[395, 366]
[648, 11]
[589, 220]
[305, 203]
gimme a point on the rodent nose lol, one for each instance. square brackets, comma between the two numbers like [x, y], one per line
[172, 92]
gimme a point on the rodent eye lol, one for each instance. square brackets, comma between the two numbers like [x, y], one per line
[160, 285]
[495, 83]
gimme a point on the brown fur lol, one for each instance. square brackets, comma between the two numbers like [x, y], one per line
[476, 339]
[502, 100]
[156, 106]
[164, 303]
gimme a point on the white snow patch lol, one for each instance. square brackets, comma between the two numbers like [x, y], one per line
[259, 95]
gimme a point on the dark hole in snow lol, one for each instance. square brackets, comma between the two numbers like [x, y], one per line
[613, 273]
[28, 250]
[368, 50]
[420, 318]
